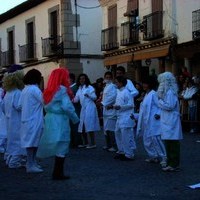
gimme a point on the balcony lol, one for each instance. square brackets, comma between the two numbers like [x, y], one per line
[196, 24]
[27, 53]
[52, 46]
[109, 39]
[153, 26]
[129, 34]
[7, 58]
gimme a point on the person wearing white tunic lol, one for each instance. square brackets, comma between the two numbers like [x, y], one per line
[149, 124]
[3, 130]
[170, 127]
[89, 121]
[124, 131]
[13, 83]
[31, 103]
[120, 71]
[109, 114]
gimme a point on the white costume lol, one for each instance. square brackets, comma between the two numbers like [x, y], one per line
[149, 127]
[109, 115]
[13, 122]
[171, 128]
[88, 116]
[124, 132]
[3, 130]
[31, 103]
[131, 88]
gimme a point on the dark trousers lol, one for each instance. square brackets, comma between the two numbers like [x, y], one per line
[173, 152]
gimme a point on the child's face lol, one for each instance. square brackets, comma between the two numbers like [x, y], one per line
[145, 86]
[82, 80]
[118, 84]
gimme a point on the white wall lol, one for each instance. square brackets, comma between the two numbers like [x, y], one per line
[184, 18]
[40, 13]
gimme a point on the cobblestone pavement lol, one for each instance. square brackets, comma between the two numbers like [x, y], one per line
[95, 175]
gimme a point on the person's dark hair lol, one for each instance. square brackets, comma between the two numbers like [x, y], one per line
[72, 77]
[32, 77]
[122, 80]
[152, 82]
[121, 69]
[87, 80]
[108, 73]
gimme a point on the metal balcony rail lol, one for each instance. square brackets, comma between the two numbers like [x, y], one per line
[52, 46]
[153, 26]
[109, 39]
[27, 52]
[129, 33]
[196, 24]
[7, 58]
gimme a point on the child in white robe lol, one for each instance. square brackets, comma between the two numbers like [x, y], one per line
[124, 131]
[149, 124]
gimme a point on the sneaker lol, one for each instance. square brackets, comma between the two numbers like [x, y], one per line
[112, 149]
[105, 148]
[192, 131]
[124, 158]
[118, 156]
[91, 146]
[152, 160]
[170, 169]
[163, 164]
[33, 169]
[82, 145]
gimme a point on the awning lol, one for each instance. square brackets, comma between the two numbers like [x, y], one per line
[154, 52]
[113, 60]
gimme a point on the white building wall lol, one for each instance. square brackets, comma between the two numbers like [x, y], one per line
[184, 18]
[40, 13]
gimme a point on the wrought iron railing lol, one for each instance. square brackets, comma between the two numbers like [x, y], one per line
[52, 46]
[129, 34]
[196, 24]
[153, 26]
[27, 52]
[109, 39]
[7, 58]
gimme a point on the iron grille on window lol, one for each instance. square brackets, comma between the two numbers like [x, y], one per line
[129, 33]
[52, 46]
[27, 52]
[196, 24]
[109, 39]
[7, 58]
[153, 26]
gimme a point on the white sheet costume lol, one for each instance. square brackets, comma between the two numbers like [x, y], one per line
[31, 103]
[3, 130]
[149, 127]
[88, 116]
[109, 115]
[131, 88]
[13, 123]
[124, 132]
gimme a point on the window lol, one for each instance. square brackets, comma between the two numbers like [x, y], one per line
[196, 24]
[10, 52]
[30, 40]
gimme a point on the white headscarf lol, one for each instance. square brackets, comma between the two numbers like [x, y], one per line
[167, 81]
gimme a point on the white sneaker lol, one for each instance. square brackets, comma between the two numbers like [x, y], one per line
[91, 146]
[112, 149]
[33, 169]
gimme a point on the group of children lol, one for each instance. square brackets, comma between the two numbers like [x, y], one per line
[38, 124]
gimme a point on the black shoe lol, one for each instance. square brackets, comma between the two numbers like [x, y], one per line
[118, 156]
[124, 158]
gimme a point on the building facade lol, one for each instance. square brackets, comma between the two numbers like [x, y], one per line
[142, 35]
[44, 34]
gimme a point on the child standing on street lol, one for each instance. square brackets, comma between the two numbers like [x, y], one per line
[109, 114]
[124, 131]
[171, 130]
[31, 103]
[59, 109]
[89, 121]
[149, 124]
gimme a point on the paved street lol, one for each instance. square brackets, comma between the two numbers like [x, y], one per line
[95, 175]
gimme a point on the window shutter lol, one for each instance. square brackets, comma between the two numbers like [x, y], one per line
[132, 5]
[157, 5]
[112, 16]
